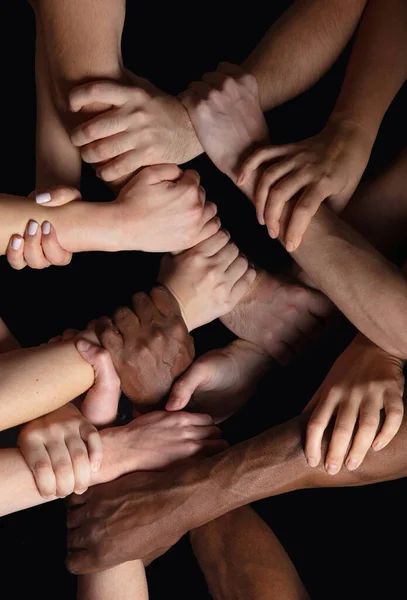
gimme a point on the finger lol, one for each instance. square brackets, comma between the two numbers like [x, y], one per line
[227, 255]
[109, 336]
[165, 302]
[156, 174]
[69, 334]
[202, 433]
[145, 309]
[231, 69]
[80, 463]
[211, 246]
[260, 156]
[317, 424]
[189, 178]
[369, 421]
[33, 253]
[125, 164]
[270, 176]
[53, 252]
[345, 423]
[81, 562]
[108, 148]
[197, 375]
[209, 229]
[15, 253]
[214, 80]
[101, 402]
[200, 89]
[57, 196]
[94, 443]
[39, 462]
[279, 195]
[186, 419]
[242, 286]
[62, 465]
[104, 92]
[394, 411]
[236, 270]
[304, 210]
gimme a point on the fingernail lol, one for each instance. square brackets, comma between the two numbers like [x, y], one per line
[80, 492]
[83, 345]
[377, 446]
[332, 469]
[272, 233]
[16, 243]
[46, 227]
[352, 464]
[32, 228]
[290, 246]
[312, 462]
[175, 403]
[240, 179]
[96, 466]
[43, 198]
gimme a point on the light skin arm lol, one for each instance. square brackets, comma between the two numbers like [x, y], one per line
[300, 47]
[36, 381]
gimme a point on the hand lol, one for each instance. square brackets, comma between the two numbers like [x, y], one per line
[138, 516]
[221, 381]
[160, 439]
[39, 248]
[327, 167]
[61, 449]
[144, 127]
[99, 404]
[150, 347]
[363, 381]
[163, 209]
[208, 280]
[225, 111]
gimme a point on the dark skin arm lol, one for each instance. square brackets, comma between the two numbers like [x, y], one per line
[147, 513]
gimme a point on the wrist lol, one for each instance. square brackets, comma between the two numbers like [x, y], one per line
[118, 457]
[360, 127]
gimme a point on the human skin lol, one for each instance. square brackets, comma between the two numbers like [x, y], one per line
[147, 513]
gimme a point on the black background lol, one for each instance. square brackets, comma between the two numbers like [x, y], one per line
[346, 543]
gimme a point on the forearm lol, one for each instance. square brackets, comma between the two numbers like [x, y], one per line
[225, 552]
[301, 46]
[36, 381]
[365, 286]
[81, 226]
[378, 64]
[124, 582]
[274, 463]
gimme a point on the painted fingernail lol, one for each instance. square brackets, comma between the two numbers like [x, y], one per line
[352, 464]
[83, 345]
[290, 246]
[377, 446]
[46, 227]
[96, 466]
[16, 243]
[332, 469]
[312, 462]
[32, 228]
[43, 198]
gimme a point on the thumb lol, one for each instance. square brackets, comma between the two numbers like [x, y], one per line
[182, 391]
[56, 196]
[103, 92]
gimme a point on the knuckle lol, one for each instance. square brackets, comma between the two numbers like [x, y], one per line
[41, 466]
[78, 454]
[121, 313]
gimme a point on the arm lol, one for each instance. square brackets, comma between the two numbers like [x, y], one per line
[82, 41]
[35, 381]
[301, 46]
[7, 340]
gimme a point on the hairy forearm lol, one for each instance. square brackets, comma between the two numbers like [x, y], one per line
[378, 64]
[36, 381]
[81, 226]
[301, 46]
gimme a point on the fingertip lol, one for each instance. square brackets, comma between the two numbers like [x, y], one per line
[43, 198]
[46, 228]
[83, 346]
[16, 242]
